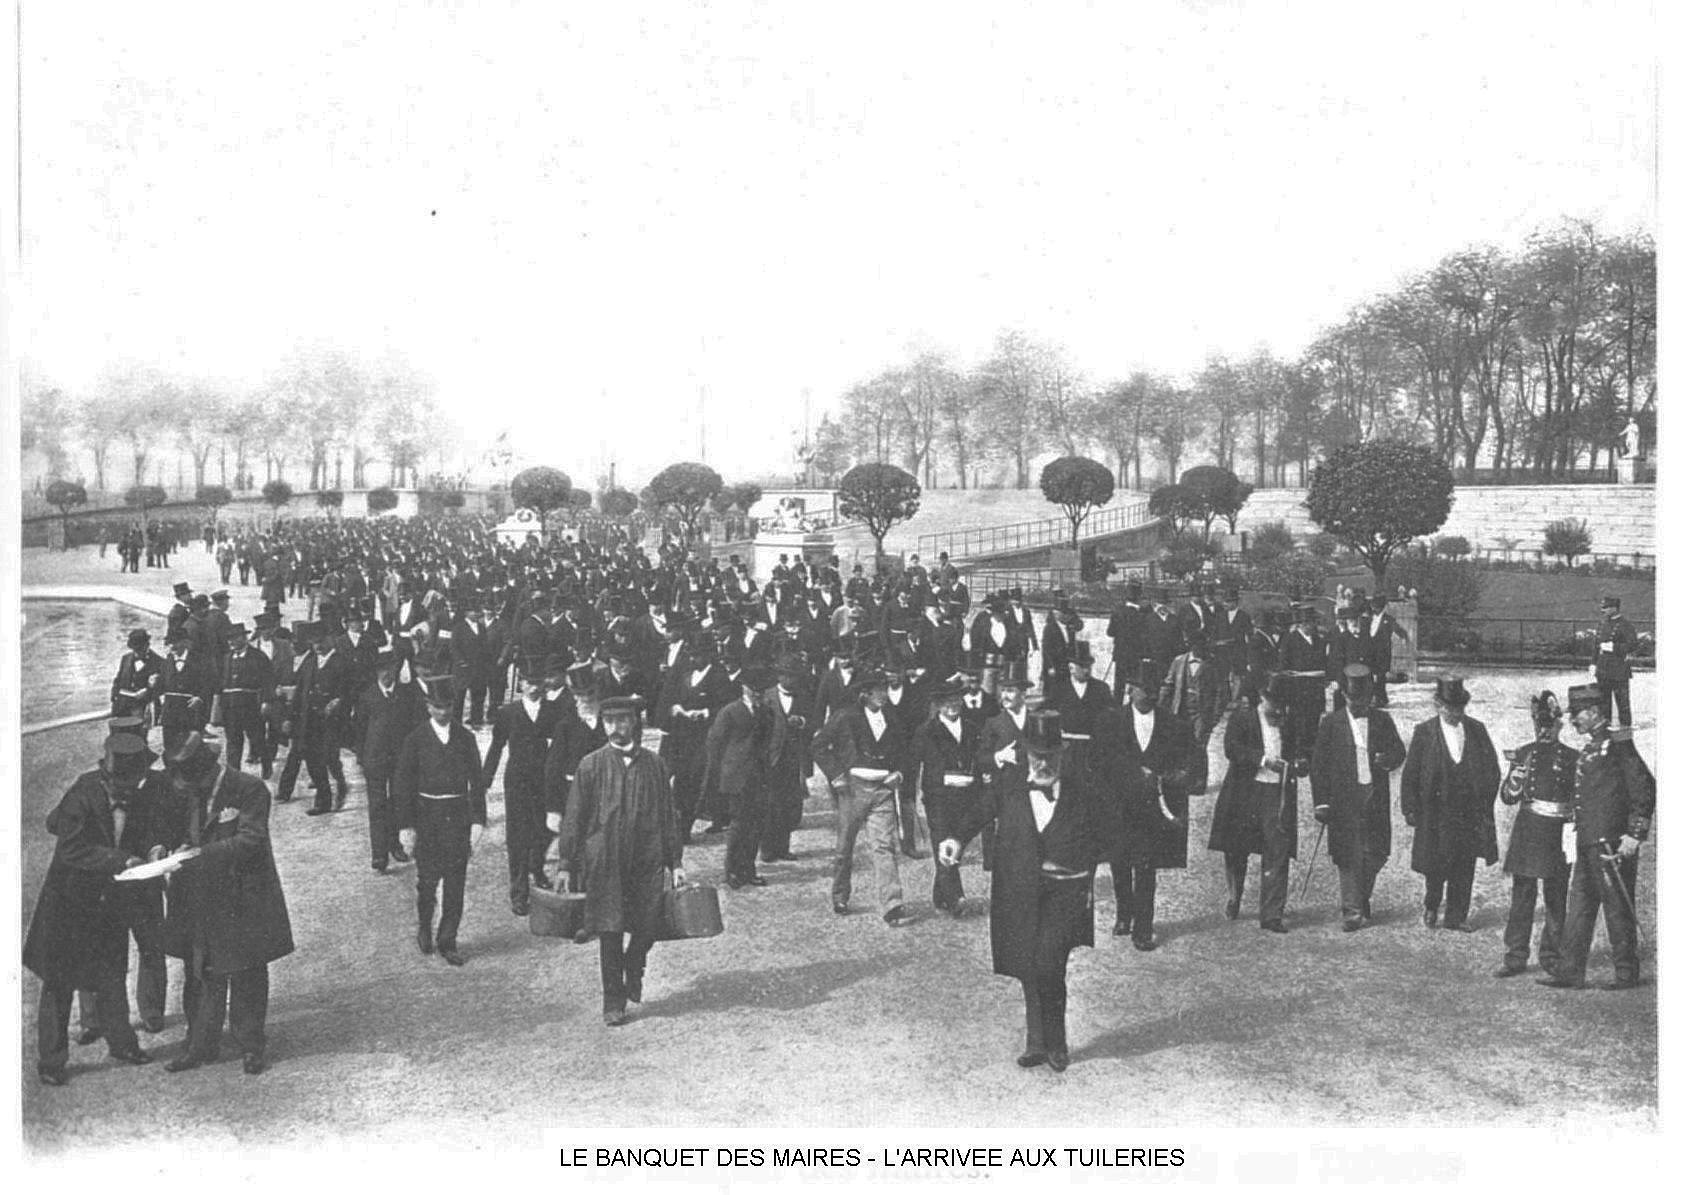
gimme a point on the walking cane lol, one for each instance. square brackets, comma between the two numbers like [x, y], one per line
[1610, 860]
[1315, 851]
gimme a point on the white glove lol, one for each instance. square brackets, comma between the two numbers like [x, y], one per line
[949, 852]
[409, 839]
[553, 821]
[1007, 756]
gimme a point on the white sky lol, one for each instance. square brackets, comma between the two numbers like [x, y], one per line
[547, 204]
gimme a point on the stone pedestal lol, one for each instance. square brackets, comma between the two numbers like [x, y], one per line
[811, 547]
[521, 524]
[1630, 470]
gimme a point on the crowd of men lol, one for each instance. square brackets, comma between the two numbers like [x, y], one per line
[904, 694]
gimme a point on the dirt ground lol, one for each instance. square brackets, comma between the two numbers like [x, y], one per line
[796, 1017]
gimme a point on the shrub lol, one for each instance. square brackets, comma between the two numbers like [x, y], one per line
[1447, 588]
[1452, 547]
[1567, 538]
[1324, 545]
[1270, 541]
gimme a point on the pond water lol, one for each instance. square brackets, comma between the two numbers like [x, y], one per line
[70, 652]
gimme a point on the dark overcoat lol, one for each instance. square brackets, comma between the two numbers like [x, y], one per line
[1237, 825]
[1017, 873]
[1535, 839]
[621, 836]
[1141, 832]
[228, 902]
[1454, 822]
[79, 935]
[1359, 825]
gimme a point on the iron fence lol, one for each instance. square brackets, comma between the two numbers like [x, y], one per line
[972, 542]
[1546, 641]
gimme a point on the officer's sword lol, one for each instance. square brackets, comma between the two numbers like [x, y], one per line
[1610, 859]
[1314, 852]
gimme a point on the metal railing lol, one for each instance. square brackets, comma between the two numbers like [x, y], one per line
[1550, 641]
[1038, 533]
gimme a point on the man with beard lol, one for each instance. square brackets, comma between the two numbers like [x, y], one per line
[386, 714]
[523, 728]
[1052, 825]
[862, 753]
[225, 917]
[1257, 810]
[79, 936]
[1450, 784]
[1357, 749]
[439, 807]
[1139, 751]
[620, 836]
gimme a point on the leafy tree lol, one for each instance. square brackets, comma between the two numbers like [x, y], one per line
[145, 496]
[1220, 492]
[1076, 483]
[64, 495]
[579, 499]
[618, 504]
[277, 494]
[738, 497]
[1447, 588]
[1379, 496]
[685, 489]
[879, 496]
[1289, 572]
[453, 499]
[1452, 547]
[214, 498]
[1187, 554]
[330, 500]
[1177, 505]
[1568, 538]
[1271, 541]
[542, 489]
[382, 500]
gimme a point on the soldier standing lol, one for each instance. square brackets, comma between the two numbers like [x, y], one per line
[1611, 660]
[1540, 784]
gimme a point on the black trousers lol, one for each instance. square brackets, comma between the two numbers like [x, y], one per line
[1276, 857]
[1125, 672]
[527, 841]
[748, 816]
[53, 1019]
[244, 725]
[783, 815]
[244, 994]
[1518, 930]
[443, 848]
[291, 767]
[621, 962]
[1134, 895]
[380, 819]
[1621, 693]
[321, 748]
[1455, 887]
[477, 689]
[1060, 905]
[1589, 890]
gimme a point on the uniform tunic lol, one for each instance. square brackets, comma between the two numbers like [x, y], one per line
[1546, 802]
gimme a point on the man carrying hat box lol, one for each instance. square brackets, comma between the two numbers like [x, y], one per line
[1450, 785]
[1357, 749]
[79, 935]
[438, 791]
[621, 837]
[1053, 826]
[226, 917]
[863, 755]
[1614, 799]
[1612, 665]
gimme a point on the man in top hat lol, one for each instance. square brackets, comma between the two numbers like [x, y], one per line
[1257, 810]
[738, 745]
[1348, 644]
[863, 755]
[1356, 751]
[1612, 665]
[1060, 636]
[790, 757]
[1196, 691]
[1020, 618]
[1540, 785]
[620, 838]
[1163, 638]
[245, 693]
[140, 678]
[524, 728]
[577, 733]
[908, 705]
[1380, 626]
[323, 694]
[185, 682]
[1614, 799]
[386, 713]
[473, 655]
[946, 750]
[438, 789]
[1140, 753]
[1230, 640]
[218, 625]
[1126, 632]
[1303, 658]
[1450, 786]
[79, 935]
[1262, 654]
[1002, 738]
[689, 699]
[178, 616]
[1080, 698]
[225, 915]
[1053, 823]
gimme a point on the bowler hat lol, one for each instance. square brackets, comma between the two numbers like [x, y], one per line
[1450, 691]
[180, 588]
[137, 640]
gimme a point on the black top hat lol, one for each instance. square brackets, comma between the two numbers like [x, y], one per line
[1148, 677]
[238, 630]
[1581, 696]
[129, 752]
[266, 622]
[1043, 731]
[949, 690]
[439, 690]
[756, 676]
[580, 678]
[1081, 653]
[1359, 682]
[180, 588]
[127, 724]
[176, 635]
[873, 677]
[792, 667]
[200, 602]
[1450, 691]
[1230, 594]
[137, 640]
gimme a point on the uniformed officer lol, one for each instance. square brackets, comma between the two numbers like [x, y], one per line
[1611, 660]
[1540, 784]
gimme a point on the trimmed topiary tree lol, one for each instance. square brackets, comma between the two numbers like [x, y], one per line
[540, 488]
[1379, 496]
[879, 496]
[277, 495]
[382, 500]
[1568, 538]
[1076, 484]
[684, 490]
[618, 504]
[64, 495]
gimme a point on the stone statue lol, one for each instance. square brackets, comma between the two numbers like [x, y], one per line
[1630, 439]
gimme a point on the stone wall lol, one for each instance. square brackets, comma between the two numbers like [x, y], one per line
[1622, 518]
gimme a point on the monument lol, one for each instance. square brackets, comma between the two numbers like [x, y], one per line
[518, 526]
